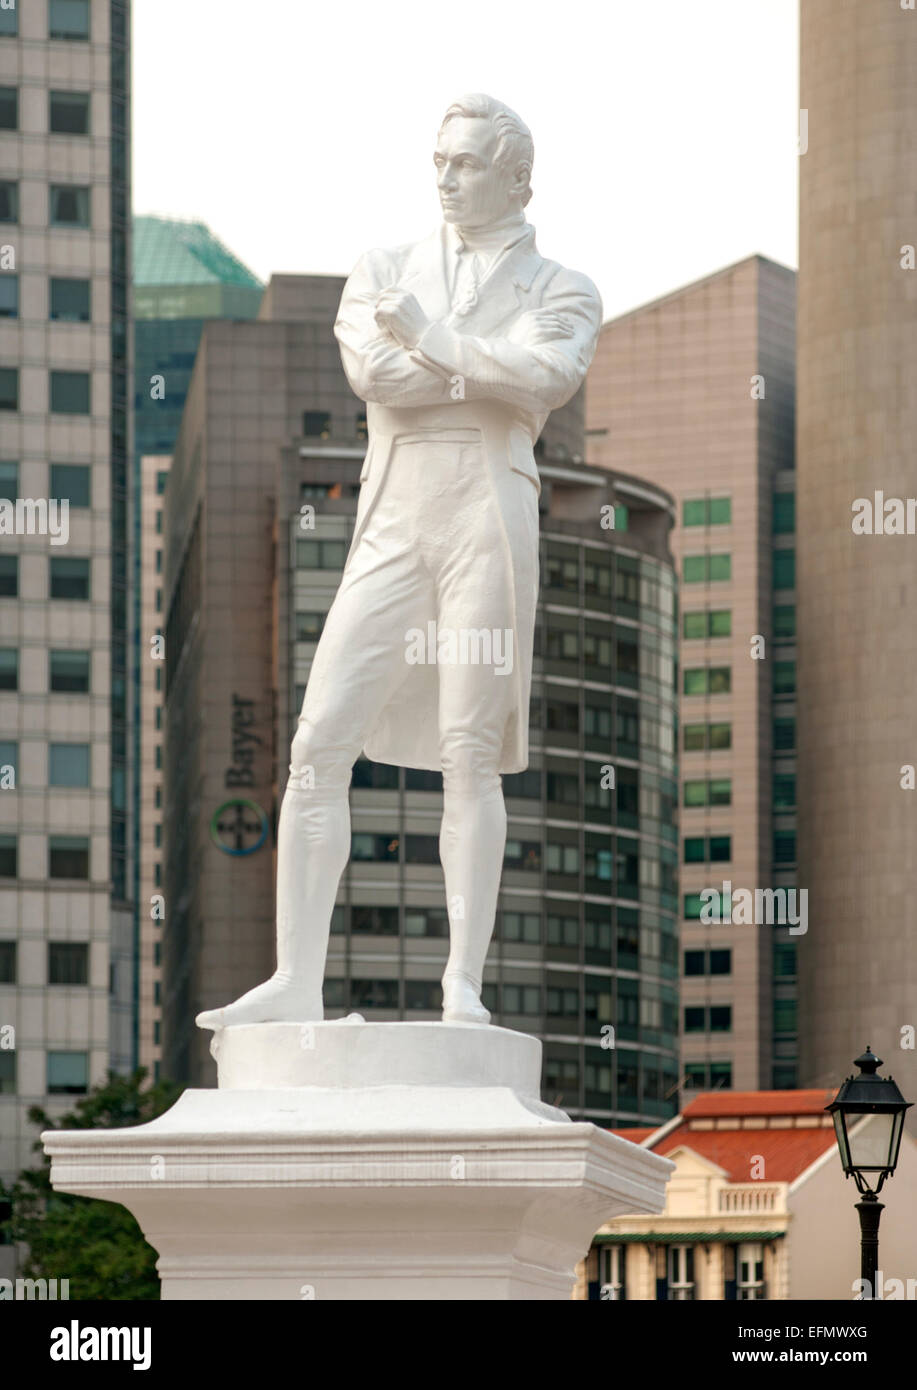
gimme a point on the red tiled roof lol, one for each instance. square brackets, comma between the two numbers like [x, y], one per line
[786, 1152]
[714, 1103]
[636, 1136]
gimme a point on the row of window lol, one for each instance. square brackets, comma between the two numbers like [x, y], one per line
[68, 764]
[632, 939]
[68, 856]
[69, 577]
[67, 19]
[68, 672]
[717, 511]
[717, 622]
[68, 112]
[69, 298]
[743, 1273]
[717, 680]
[708, 1018]
[68, 963]
[66, 481]
[69, 204]
[711, 568]
[69, 393]
[66, 1074]
[596, 861]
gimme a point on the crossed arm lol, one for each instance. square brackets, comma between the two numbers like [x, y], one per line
[394, 356]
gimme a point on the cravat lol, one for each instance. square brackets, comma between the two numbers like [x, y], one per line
[467, 281]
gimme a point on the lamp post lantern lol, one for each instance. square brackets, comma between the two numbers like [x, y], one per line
[869, 1147]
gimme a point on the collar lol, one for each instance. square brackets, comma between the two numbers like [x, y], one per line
[491, 241]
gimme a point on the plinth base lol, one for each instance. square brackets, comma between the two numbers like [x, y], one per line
[354, 1160]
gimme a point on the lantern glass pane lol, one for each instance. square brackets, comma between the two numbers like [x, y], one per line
[841, 1134]
[870, 1141]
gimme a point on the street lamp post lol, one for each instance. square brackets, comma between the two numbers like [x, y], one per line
[869, 1148]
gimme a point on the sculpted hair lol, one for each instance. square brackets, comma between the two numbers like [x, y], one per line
[515, 146]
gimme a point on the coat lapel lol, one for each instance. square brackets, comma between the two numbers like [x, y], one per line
[503, 291]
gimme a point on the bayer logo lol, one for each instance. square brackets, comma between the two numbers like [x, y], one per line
[239, 827]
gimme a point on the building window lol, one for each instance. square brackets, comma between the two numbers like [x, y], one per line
[9, 108]
[374, 994]
[70, 300]
[562, 859]
[9, 296]
[68, 765]
[612, 1272]
[9, 668]
[710, 623]
[7, 962]
[69, 205]
[9, 481]
[68, 856]
[784, 513]
[702, 792]
[9, 22]
[70, 393]
[68, 19]
[785, 847]
[706, 511]
[367, 848]
[699, 738]
[713, 962]
[68, 1073]
[9, 576]
[309, 626]
[784, 678]
[784, 622]
[68, 113]
[69, 673]
[71, 481]
[68, 578]
[316, 424]
[423, 994]
[784, 569]
[785, 960]
[9, 388]
[679, 1273]
[7, 1063]
[521, 926]
[68, 963]
[9, 192]
[708, 1076]
[750, 1271]
[784, 735]
[707, 849]
[9, 865]
[162, 478]
[708, 680]
[9, 765]
[320, 555]
[706, 569]
[784, 791]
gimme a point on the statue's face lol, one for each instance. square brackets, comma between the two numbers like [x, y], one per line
[473, 191]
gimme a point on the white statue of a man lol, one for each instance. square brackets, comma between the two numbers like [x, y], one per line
[460, 345]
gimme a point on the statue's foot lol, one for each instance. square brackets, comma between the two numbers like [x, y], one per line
[462, 1001]
[276, 1001]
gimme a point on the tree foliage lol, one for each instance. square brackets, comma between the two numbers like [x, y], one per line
[97, 1246]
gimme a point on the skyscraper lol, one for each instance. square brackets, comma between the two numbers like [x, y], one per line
[857, 592]
[695, 392]
[65, 919]
[183, 276]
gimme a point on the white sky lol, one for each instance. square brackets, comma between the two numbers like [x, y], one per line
[302, 131]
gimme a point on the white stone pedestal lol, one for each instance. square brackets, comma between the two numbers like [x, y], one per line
[354, 1160]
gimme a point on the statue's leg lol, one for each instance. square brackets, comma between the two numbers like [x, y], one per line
[357, 668]
[476, 701]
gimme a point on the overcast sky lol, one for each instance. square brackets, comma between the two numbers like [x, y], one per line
[302, 131]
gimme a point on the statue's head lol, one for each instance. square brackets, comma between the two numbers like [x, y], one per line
[483, 160]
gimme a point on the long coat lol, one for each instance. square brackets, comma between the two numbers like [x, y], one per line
[479, 366]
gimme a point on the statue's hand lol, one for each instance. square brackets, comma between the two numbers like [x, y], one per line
[398, 312]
